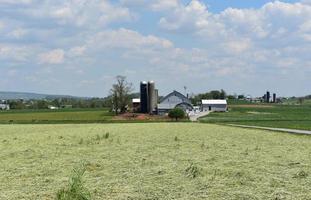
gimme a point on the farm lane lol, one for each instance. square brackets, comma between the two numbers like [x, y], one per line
[195, 116]
[292, 131]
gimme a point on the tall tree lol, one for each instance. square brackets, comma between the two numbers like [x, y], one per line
[120, 93]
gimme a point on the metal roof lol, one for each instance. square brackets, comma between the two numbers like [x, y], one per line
[178, 94]
[135, 100]
[214, 101]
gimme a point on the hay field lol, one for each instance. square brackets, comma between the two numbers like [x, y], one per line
[154, 161]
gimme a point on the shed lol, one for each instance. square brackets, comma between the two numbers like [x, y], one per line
[218, 105]
[136, 105]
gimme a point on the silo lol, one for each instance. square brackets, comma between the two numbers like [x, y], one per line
[274, 97]
[143, 97]
[151, 97]
[268, 97]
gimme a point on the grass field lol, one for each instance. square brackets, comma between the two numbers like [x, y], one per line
[278, 116]
[55, 116]
[154, 161]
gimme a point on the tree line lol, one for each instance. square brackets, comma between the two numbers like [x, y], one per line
[118, 100]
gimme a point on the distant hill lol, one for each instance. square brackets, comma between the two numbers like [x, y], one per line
[27, 96]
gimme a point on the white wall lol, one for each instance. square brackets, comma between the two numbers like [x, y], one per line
[215, 107]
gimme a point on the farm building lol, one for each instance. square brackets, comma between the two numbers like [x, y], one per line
[173, 100]
[136, 105]
[4, 106]
[214, 105]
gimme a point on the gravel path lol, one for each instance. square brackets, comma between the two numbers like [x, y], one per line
[196, 116]
[293, 131]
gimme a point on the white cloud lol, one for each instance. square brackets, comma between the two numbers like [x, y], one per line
[238, 46]
[186, 18]
[55, 56]
[155, 5]
[1, 25]
[17, 33]
[164, 5]
[15, 53]
[254, 23]
[15, 1]
[77, 51]
[90, 13]
[128, 39]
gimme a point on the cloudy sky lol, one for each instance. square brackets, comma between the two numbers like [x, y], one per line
[77, 47]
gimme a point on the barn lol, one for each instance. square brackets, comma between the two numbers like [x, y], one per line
[174, 100]
[218, 105]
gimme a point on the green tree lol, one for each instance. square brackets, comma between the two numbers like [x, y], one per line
[120, 93]
[177, 113]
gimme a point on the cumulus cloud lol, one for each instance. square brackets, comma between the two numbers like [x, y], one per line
[17, 33]
[128, 39]
[94, 39]
[15, 1]
[272, 18]
[70, 12]
[156, 5]
[55, 56]
[14, 53]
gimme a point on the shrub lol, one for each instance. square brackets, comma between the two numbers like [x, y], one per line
[177, 113]
[75, 189]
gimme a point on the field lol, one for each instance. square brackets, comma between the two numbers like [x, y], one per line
[55, 116]
[154, 161]
[278, 116]
[74, 116]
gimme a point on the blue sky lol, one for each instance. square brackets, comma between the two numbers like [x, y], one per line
[77, 47]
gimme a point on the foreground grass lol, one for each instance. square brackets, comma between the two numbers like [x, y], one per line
[154, 161]
[277, 116]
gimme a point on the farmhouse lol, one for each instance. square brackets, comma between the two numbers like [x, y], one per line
[174, 100]
[214, 105]
[4, 106]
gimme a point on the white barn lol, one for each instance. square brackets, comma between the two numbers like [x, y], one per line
[4, 106]
[174, 100]
[218, 105]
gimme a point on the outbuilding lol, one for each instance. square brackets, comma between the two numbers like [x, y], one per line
[4, 106]
[214, 105]
[136, 104]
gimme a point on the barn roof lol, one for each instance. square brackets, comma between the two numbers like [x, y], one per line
[135, 100]
[178, 94]
[214, 101]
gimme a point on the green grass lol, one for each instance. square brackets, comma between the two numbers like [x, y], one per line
[278, 116]
[154, 161]
[55, 116]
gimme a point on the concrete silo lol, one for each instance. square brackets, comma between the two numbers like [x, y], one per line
[152, 98]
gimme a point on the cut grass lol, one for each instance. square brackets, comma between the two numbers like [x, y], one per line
[278, 116]
[154, 161]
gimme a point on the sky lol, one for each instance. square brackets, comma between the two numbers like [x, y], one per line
[78, 47]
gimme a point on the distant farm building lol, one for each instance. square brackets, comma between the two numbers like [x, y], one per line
[53, 107]
[4, 105]
[136, 105]
[174, 100]
[214, 105]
